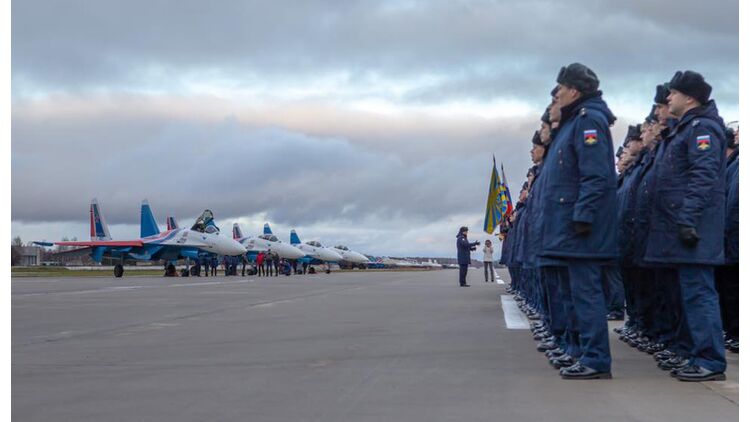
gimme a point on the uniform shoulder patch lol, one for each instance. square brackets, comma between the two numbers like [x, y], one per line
[703, 142]
[590, 137]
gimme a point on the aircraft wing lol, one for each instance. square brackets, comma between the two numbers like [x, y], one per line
[109, 243]
[73, 252]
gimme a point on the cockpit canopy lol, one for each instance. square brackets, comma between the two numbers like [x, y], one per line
[315, 243]
[204, 222]
[269, 237]
[342, 247]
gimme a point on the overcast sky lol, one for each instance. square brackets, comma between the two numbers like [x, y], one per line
[366, 123]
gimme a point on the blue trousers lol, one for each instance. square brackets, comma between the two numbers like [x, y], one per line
[556, 307]
[614, 291]
[587, 293]
[629, 282]
[668, 321]
[701, 308]
[462, 270]
[563, 319]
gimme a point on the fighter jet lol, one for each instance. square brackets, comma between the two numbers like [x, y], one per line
[313, 250]
[202, 239]
[351, 256]
[265, 242]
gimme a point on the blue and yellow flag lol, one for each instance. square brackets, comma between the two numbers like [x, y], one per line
[493, 215]
[507, 202]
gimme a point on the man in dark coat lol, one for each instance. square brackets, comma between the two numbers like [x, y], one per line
[728, 275]
[579, 202]
[689, 196]
[464, 254]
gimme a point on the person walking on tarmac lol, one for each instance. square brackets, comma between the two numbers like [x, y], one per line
[464, 254]
[488, 251]
[259, 262]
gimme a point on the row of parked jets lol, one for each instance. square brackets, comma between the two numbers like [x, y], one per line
[202, 240]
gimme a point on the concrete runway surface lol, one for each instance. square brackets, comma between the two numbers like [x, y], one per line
[361, 346]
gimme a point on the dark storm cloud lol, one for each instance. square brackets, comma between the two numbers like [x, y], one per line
[472, 47]
[132, 100]
[237, 169]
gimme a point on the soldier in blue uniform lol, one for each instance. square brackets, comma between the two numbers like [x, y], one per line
[727, 275]
[578, 204]
[464, 248]
[689, 183]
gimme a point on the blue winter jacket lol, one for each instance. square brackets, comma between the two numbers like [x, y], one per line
[464, 249]
[626, 207]
[689, 190]
[580, 184]
[732, 232]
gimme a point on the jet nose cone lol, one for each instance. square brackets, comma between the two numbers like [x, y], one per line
[238, 248]
[294, 253]
[361, 258]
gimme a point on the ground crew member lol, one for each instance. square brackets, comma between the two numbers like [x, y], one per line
[259, 259]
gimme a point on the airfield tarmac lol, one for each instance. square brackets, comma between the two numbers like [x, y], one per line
[359, 346]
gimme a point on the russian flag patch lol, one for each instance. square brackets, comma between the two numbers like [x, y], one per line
[590, 137]
[703, 142]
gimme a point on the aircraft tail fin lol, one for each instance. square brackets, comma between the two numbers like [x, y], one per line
[148, 223]
[267, 229]
[172, 223]
[99, 228]
[293, 238]
[236, 232]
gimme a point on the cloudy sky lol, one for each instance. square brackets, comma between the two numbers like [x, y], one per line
[367, 123]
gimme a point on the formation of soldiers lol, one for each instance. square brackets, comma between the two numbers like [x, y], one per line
[653, 237]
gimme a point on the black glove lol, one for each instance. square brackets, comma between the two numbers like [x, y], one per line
[476, 243]
[689, 236]
[581, 228]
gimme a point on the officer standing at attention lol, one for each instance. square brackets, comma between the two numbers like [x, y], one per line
[579, 204]
[685, 222]
[728, 275]
[464, 254]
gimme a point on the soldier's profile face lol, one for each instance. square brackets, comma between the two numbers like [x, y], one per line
[662, 113]
[544, 133]
[678, 102]
[537, 151]
[554, 112]
[565, 96]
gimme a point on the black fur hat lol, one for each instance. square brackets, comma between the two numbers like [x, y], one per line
[580, 77]
[692, 84]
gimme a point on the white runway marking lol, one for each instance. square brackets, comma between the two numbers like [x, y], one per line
[514, 318]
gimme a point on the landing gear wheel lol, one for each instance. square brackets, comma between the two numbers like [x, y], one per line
[119, 270]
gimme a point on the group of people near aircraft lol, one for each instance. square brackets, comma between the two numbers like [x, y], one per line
[205, 246]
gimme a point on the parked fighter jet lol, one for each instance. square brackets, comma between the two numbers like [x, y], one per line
[351, 256]
[265, 242]
[314, 251]
[203, 239]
